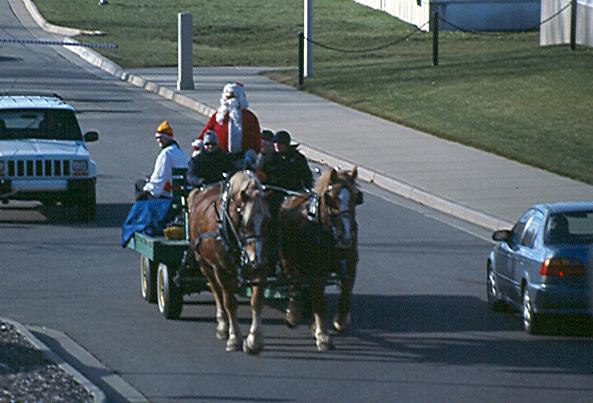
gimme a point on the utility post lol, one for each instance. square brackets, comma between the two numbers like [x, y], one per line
[434, 27]
[185, 65]
[308, 31]
[573, 24]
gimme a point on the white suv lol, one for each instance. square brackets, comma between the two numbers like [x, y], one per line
[43, 155]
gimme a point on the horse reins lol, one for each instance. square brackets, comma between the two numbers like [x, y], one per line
[226, 231]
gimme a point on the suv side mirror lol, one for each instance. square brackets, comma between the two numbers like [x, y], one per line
[502, 235]
[89, 137]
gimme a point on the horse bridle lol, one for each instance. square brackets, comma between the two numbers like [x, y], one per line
[335, 217]
[241, 239]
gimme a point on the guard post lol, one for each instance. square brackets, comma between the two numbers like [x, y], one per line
[434, 27]
[185, 66]
[573, 24]
[301, 59]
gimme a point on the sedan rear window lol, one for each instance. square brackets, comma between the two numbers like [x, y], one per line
[570, 227]
[49, 124]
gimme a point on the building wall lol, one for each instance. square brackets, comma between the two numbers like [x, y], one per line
[557, 30]
[476, 15]
[411, 11]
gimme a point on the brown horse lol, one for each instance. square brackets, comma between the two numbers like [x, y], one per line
[228, 231]
[318, 236]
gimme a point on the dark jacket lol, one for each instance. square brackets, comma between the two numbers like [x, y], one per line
[288, 170]
[208, 167]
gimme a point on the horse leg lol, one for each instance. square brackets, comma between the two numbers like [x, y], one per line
[342, 319]
[322, 336]
[230, 305]
[293, 314]
[254, 343]
[222, 324]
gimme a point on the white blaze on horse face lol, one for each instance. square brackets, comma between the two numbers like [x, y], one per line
[259, 247]
[256, 254]
[344, 197]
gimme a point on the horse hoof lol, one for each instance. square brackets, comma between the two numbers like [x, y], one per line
[290, 322]
[341, 324]
[233, 344]
[253, 345]
[324, 343]
[325, 346]
[292, 315]
[222, 332]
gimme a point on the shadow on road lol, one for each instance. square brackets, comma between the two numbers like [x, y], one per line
[452, 330]
[109, 215]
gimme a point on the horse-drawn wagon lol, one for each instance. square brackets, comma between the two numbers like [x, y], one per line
[219, 246]
[165, 273]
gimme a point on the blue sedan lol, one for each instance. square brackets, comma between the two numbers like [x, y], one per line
[541, 266]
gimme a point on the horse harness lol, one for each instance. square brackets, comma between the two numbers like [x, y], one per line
[227, 233]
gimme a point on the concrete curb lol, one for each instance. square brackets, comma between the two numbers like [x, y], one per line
[408, 191]
[54, 29]
[391, 184]
[38, 344]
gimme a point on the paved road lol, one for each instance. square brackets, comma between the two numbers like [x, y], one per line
[422, 331]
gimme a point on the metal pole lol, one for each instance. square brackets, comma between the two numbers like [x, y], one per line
[573, 24]
[435, 38]
[185, 74]
[308, 23]
[301, 58]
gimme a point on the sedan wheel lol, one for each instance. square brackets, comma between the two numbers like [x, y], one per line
[531, 320]
[492, 293]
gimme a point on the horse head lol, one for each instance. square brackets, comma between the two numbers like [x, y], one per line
[338, 197]
[253, 216]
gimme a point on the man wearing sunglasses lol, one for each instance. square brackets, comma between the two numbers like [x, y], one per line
[208, 166]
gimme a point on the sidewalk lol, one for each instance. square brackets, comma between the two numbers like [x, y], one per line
[483, 188]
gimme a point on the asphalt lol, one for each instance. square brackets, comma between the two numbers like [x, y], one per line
[470, 184]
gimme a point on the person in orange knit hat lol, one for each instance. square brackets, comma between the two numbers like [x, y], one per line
[171, 156]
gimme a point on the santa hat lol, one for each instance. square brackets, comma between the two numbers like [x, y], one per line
[164, 131]
[237, 90]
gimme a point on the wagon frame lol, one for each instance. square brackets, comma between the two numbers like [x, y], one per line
[164, 276]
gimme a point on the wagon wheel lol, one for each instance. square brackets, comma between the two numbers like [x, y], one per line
[169, 296]
[148, 272]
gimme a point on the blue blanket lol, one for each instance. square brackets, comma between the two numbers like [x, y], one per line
[146, 216]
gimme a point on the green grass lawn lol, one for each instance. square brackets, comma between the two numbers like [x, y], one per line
[501, 92]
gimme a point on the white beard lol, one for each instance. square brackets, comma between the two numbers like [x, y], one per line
[235, 128]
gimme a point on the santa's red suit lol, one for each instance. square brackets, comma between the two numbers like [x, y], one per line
[236, 127]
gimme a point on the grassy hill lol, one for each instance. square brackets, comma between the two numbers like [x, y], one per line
[500, 92]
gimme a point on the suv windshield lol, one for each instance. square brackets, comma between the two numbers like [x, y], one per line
[48, 124]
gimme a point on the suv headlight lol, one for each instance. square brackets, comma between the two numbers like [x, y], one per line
[80, 167]
[2, 168]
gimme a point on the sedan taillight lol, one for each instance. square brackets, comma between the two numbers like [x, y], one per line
[562, 267]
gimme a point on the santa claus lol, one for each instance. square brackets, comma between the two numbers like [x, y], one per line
[236, 127]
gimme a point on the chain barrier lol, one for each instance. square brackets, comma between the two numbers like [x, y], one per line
[435, 18]
[42, 42]
[408, 36]
[470, 31]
